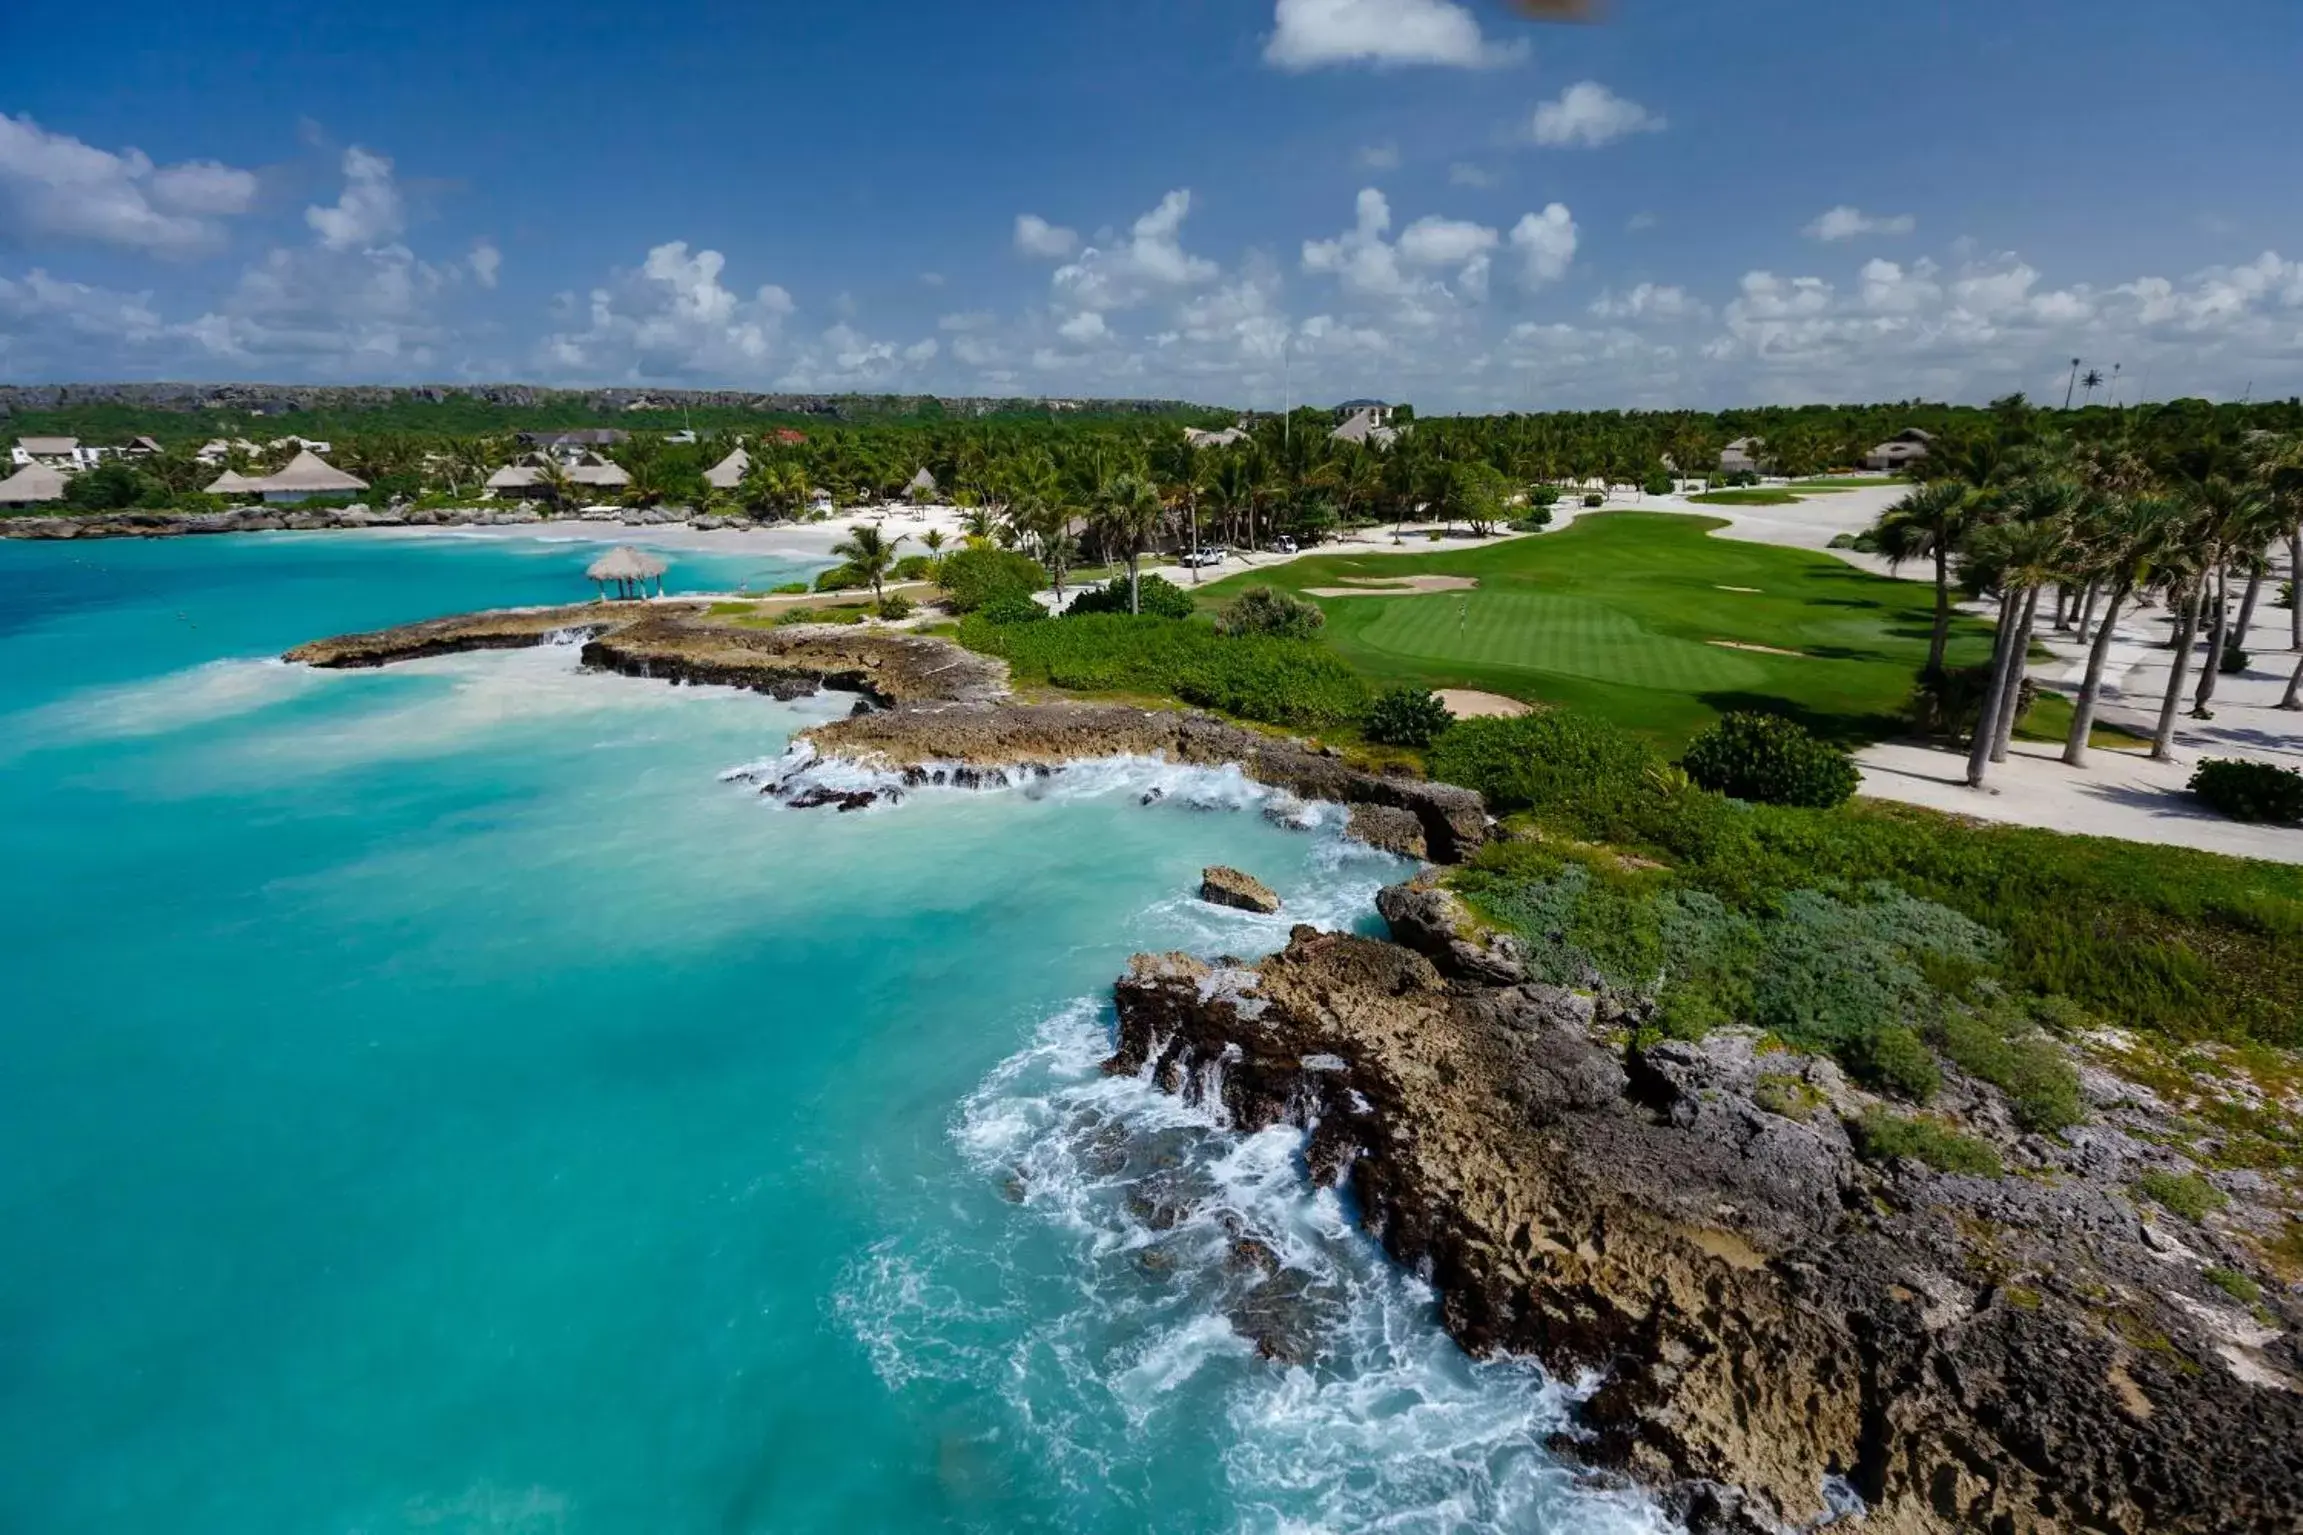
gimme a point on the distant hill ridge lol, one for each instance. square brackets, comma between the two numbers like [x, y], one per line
[284, 399]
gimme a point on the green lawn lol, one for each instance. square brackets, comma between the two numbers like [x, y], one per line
[1768, 495]
[1617, 614]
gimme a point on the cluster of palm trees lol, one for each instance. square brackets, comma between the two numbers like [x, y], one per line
[2096, 528]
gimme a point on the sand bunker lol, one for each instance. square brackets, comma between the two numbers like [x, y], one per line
[1466, 704]
[1765, 650]
[1394, 586]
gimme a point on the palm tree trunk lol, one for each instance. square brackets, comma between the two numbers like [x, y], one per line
[2011, 700]
[1987, 713]
[2087, 609]
[1195, 539]
[2186, 633]
[2063, 607]
[1135, 593]
[2295, 588]
[2091, 689]
[1941, 639]
[2217, 636]
[2247, 607]
[2294, 698]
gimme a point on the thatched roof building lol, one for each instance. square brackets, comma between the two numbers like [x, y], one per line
[30, 484]
[923, 485]
[729, 472]
[630, 570]
[306, 475]
[231, 483]
[525, 476]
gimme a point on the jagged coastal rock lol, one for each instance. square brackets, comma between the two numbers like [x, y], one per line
[1774, 1324]
[1223, 886]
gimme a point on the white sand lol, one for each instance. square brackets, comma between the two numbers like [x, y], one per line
[1470, 704]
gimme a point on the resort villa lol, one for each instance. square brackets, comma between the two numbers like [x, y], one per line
[1741, 456]
[303, 477]
[1366, 422]
[729, 472]
[1905, 448]
[529, 474]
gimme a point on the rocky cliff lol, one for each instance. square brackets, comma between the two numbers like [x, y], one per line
[1774, 1327]
[609, 403]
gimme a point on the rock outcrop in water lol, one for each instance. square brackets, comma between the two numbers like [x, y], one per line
[1220, 885]
[1774, 1325]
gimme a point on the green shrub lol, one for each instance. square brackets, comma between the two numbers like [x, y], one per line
[1657, 485]
[1542, 498]
[2185, 1194]
[1894, 1060]
[1283, 682]
[973, 577]
[1407, 716]
[1883, 1137]
[2286, 594]
[2236, 1285]
[841, 578]
[1594, 498]
[1011, 608]
[895, 606]
[1553, 759]
[2250, 791]
[1267, 610]
[2005, 1049]
[2234, 661]
[1157, 596]
[1948, 703]
[788, 589]
[848, 615]
[1770, 759]
[915, 567]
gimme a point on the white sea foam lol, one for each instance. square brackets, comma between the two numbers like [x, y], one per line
[1131, 1335]
[198, 695]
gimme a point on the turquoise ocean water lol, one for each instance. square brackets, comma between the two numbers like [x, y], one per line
[434, 1100]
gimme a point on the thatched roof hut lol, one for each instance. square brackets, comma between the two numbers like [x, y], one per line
[33, 482]
[630, 569]
[231, 483]
[922, 487]
[307, 474]
[729, 472]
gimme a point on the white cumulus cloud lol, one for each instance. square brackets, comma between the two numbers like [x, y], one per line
[674, 318]
[53, 186]
[368, 212]
[1546, 244]
[1315, 34]
[1149, 261]
[1588, 115]
[486, 262]
[1846, 223]
[1035, 236]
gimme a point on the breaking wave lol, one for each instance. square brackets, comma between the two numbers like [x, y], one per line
[1166, 1286]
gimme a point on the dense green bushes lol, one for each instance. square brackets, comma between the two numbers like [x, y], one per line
[2250, 791]
[1156, 597]
[1267, 610]
[1770, 759]
[972, 578]
[2184, 943]
[841, 578]
[1283, 682]
[1947, 703]
[1407, 716]
[1882, 1137]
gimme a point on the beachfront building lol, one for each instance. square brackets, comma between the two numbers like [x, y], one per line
[580, 443]
[729, 472]
[922, 489]
[64, 453]
[1197, 438]
[32, 485]
[215, 450]
[1905, 448]
[1368, 426]
[524, 476]
[303, 477]
[1741, 456]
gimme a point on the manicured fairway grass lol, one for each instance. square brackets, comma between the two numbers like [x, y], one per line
[1618, 613]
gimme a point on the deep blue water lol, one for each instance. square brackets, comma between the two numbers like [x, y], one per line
[434, 1100]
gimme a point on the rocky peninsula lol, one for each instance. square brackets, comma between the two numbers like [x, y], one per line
[1774, 1327]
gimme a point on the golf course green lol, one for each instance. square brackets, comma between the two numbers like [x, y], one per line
[1642, 617]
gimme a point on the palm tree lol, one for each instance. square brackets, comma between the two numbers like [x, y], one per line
[2092, 382]
[933, 541]
[1929, 523]
[558, 486]
[2021, 556]
[2124, 545]
[1127, 512]
[871, 552]
[1232, 488]
[2233, 519]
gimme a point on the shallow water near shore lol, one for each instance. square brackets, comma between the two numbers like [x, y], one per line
[435, 1099]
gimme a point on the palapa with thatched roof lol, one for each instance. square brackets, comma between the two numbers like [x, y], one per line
[922, 487]
[232, 483]
[525, 475]
[307, 474]
[729, 472]
[630, 569]
[30, 484]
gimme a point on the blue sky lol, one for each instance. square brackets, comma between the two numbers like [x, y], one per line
[1691, 204]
